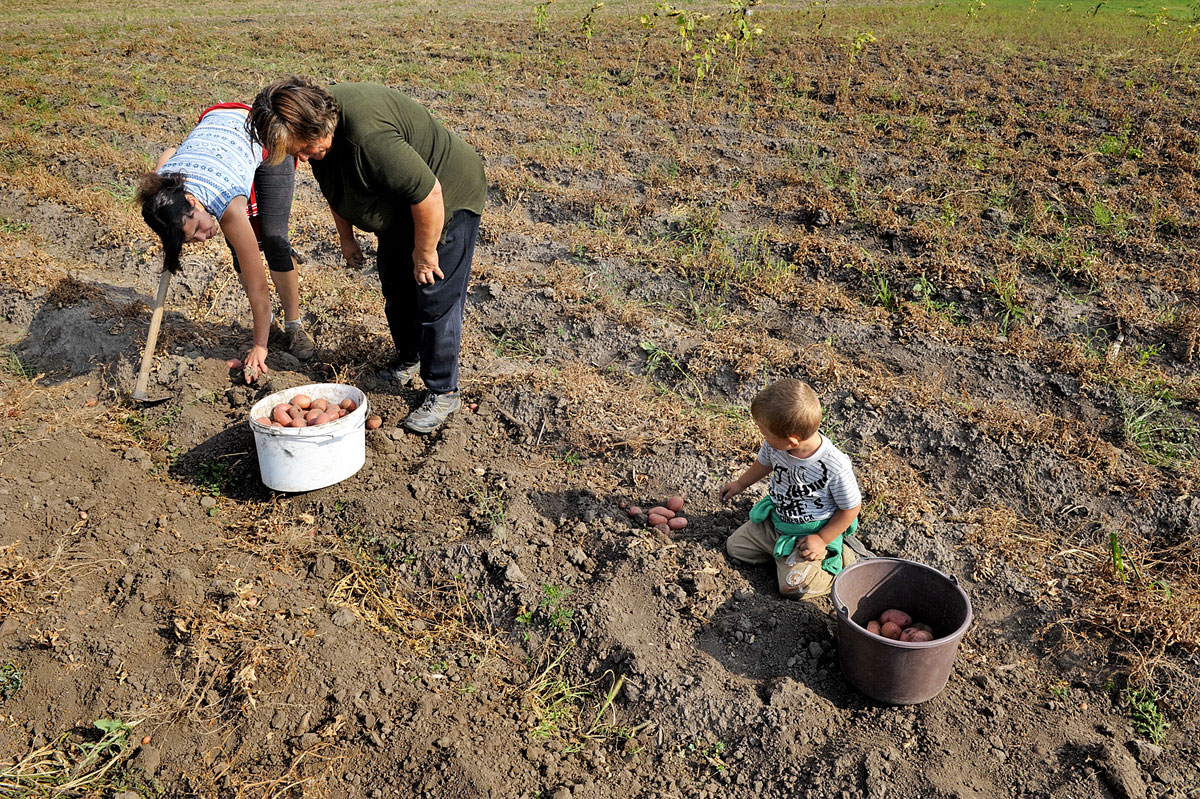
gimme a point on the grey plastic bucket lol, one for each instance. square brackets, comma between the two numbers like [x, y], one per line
[898, 672]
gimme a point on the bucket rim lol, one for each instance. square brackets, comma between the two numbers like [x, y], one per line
[331, 429]
[843, 611]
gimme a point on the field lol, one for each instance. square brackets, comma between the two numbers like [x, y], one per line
[972, 227]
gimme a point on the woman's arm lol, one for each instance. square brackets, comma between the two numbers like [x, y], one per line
[162, 159]
[429, 216]
[236, 227]
[349, 244]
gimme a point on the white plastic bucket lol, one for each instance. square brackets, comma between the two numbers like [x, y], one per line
[308, 458]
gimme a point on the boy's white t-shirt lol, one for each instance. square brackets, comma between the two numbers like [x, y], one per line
[813, 488]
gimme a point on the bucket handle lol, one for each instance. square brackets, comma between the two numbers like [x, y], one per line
[844, 611]
[321, 439]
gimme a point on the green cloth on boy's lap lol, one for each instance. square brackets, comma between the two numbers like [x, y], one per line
[790, 533]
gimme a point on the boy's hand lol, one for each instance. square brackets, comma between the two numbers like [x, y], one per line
[811, 547]
[730, 490]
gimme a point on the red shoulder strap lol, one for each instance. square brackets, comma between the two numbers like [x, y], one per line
[241, 106]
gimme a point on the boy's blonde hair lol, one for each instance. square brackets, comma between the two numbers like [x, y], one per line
[787, 408]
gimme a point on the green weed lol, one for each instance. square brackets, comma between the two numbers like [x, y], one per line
[551, 602]
[214, 476]
[489, 507]
[71, 767]
[1011, 311]
[710, 754]
[882, 293]
[1159, 431]
[1148, 719]
[575, 713]
[13, 365]
[10, 680]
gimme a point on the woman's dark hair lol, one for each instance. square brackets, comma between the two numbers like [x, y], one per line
[164, 205]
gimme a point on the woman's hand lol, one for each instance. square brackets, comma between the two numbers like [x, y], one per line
[353, 253]
[426, 269]
[255, 363]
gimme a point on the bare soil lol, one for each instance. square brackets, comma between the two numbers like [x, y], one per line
[474, 613]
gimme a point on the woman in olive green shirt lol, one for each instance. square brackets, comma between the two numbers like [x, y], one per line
[386, 166]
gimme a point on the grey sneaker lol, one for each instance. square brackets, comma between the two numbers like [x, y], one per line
[300, 344]
[402, 373]
[433, 412]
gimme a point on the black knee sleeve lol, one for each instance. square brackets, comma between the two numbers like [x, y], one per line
[278, 253]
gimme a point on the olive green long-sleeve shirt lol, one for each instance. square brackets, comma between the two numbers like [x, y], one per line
[387, 151]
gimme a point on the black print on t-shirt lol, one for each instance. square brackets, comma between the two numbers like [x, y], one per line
[796, 499]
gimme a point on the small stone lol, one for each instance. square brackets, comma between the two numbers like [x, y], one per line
[343, 617]
[208, 502]
[1144, 751]
[513, 574]
[308, 740]
[42, 476]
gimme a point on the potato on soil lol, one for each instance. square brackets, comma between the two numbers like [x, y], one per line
[656, 519]
[635, 510]
[233, 363]
[889, 629]
[675, 503]
[373, 422]
[662, 511]
[302, 401]
[677, 523]
[898, 617]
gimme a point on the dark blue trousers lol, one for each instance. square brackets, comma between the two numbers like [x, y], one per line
[426, 321]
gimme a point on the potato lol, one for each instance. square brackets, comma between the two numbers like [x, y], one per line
[264, 421]
[635, 510]
[914, 636]
[348, 405]
[302, 401]
[889, 629]
[321, 405]
[282, 414]
[373, 422]
[873, 627]
[898, 617]
[233, 363]
[656, 519]
[666, 513]
[311, 415]
[922, 627]
[675, 503]
[323, 418]
[678, 523]
[662, 528]
[298, 422]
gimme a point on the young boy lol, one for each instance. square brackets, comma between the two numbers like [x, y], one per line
[813, 498]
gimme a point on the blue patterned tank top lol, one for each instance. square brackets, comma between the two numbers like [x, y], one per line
[218, 160]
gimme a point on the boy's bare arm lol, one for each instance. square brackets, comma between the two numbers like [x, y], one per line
[752, 475]
[812, 547]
